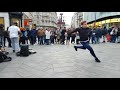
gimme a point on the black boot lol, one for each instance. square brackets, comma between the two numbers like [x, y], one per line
[75, 48]
[97, 60]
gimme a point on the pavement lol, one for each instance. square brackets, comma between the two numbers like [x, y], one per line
[62, 61]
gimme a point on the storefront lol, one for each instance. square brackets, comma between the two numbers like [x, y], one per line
[16, 17]
[28, 23]
[108, 23]
[2, 20]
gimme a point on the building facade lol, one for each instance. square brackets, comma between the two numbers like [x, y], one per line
[45, 19]
[6, 18]
[102, 18]
[28, 19]
[76, 19]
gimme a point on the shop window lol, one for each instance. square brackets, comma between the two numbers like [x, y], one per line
[2, 20]
[16, 20]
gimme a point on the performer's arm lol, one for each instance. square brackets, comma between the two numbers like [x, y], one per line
[75, 30]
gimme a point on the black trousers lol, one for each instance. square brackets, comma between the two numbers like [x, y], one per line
[85, 45]
[52, 41]
[63, 39]
[73, 39]
[77, 41]
[23, 40]
[9, 41]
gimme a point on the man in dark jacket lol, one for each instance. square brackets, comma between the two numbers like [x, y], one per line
[98, 34]
[63, 35]
[118, 35]
[1, 34]
[6, 36]
[84, 35]
[33, 34]
[93, 36]
[104, 33]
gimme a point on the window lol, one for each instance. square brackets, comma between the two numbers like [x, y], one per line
[2, 20]
[16, 20]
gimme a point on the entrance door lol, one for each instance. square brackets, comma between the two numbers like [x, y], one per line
[16, 20]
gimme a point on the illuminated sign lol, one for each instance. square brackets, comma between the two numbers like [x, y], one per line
[103, 22]
[108, 21]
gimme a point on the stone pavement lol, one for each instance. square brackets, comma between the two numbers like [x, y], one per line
[62, 61]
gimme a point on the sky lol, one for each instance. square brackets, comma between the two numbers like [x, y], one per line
[67, 16]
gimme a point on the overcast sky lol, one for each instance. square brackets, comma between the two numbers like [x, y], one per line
[67, 16]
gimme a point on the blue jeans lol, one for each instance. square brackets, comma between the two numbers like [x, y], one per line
[15, 44]
[87, 46]
[1, 40]
[114, 38]
[118, 38]
[41, 39]
[47, 41]
[98, 40]
[93, 39]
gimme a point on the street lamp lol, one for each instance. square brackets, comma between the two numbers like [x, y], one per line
[61, 16]
[95, 18]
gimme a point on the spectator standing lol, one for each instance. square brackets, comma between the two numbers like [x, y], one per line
[14, 31]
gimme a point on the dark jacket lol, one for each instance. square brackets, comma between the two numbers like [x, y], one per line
[118, 33]
[93, 33]
[83, 32]
[98, 32]
[6, 34]
[33, 33]
[1, 31]
[104, 32]
[63, 32]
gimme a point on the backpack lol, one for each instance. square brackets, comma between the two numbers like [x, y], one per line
[24, 51]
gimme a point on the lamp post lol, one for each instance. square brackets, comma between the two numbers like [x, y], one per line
[61, 16]
[61, 19]
[95, 18]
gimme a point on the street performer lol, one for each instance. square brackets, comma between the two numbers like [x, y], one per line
[84, 32]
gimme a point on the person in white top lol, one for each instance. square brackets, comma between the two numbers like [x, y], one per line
[48, 34]
[14, 35]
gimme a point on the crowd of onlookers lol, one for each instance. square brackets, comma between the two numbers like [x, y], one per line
[107, 35]
[49, 36]
[46, 36]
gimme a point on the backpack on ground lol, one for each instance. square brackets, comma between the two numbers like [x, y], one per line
[24, 51]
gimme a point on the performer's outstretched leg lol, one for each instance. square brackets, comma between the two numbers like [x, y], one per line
[81, 47]
[87, 46]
